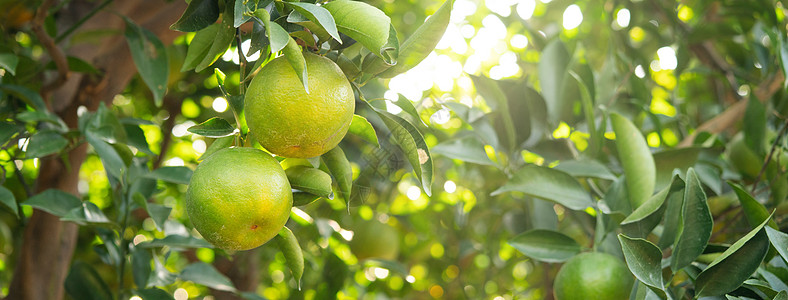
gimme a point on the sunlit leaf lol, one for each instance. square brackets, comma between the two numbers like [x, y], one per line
[339, 166]
[150, 57]
[546, 245]
[586, 168]
[199, 46]
[318, 15]
[548, 184]
[296, 59]
[207, 275]
[635, 157]
[198, 15]
[412, 143]
[288, 245]
[214, 127]
[366, 24]
[468, 149]
[225, 33]
[54, 201]
[180, 175]
[45, 143]
[554, 64]
[277, 36]
[695, 227]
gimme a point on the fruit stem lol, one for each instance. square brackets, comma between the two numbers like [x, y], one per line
[242, 62]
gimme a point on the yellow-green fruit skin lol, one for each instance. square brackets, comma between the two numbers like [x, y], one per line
[372, 239]
[291, 123]
[239, 198]
[593, 276]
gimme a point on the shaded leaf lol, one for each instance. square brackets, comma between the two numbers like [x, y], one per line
[554, 64]
[668, 160]
[83, 282]
[338, 165]
[113, 163]
[468, 149]
[490, 90]
[9, 61]
[30, 97]
[585, 168]
[136, 138]
[8, 200]
[45, 143]
[140, 266]
[363, 129]
[644, 259]
[288, 245]
[644, 218]
[277, 36]
[150, 57]
[54, 201]
[695, 224]
[310, 180]
[86, 213]
[8, 130]
[214, 127]
[199, 46]
[296, 59]
[754, 126]
[225, 32]
[546, 245]
[180, 175]
[780, 241]
[728, 271]
[154, 294]
[198, 15]
[366, 24]
[754, 211]
[636, 159]
[177, 241]
[160, 275]
[548, 184]
[319, 15]
[207, 275]
[412, 143]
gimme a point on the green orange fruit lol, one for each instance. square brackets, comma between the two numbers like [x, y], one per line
[290, 122]
[373, 239]
[239, 198]
[591, 276]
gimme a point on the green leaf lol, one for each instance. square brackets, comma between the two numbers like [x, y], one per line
[780, 241]
[412, 143]
[407, 106]
[154, 294]
[468, 149]
[30, 97]
[136, 138]
[198, 15]
[86, 213]
[668, 160]
[296, 59]
[421, 43]
[728, 271]
[303, 198]
[754, 126]
[242, 11]
[644, 259]
[9, 61]
[199, 46]
[636, 159]
[363, 129]
[160, 275]
[180, 175]
[754, 211]
[207, 275]
[214, 127]
[644, 218]
[8, 130]
[366, 24]
[695, 224]
[225, 33]
[277, 36]
[83, 282]
[554, 64]
[218, 144]
[672, 216]
[339, 166]
[586, 168]
[546, 245]
[288, 245]
[319, 15]
[45, 143]
[310, 180]
[140, 266]
[54, 201]
[113, 163]
[150, 57]
[8, 200]
[548, 184]
[492, 92]
[177, 241]
[783, 295]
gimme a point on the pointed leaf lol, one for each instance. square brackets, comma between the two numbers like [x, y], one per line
[366, 24]
[695, 225]
[277, 36]
[780, 241]
[363, 129]
[30, 97]
[644, 259]
[136, 138]
[647, 216]
[207, 275]
[86, 213]
[319, 15]
[668, 160]
[83, 282]
[45, 143]
[140, 266]
[735, 265]
[225, 33]
[113, 163]
[407, 106]
[198, 15]
[339, 166]
[636, 159]
[296, 59]
[554, 64]
[495, 96]
[54, 201]
[214, 127]
[199, 46]
[546, 245]
[288, 244]
[8, 200]
[754, 211]
[412, 143]
[468, 149]
[180, 175]
[548, 184]
[8, 61]
[150, 57]
[310, 180]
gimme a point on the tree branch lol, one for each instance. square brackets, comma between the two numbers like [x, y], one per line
[48, 43]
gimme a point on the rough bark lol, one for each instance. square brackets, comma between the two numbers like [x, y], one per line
[48, 244]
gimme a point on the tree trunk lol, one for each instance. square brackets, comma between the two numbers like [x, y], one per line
[48, 244]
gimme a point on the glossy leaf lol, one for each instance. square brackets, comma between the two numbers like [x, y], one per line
[225, 33]
[586, 168]
[83, 282]
[421, 43]
[288, 245]
[207, 275]
[672, 216]
[198, 15]
[412, 143]
[339, 166]
[647, 216]
[277, 36]
[45, 143]
[199, 46]
[735, 265]
[548, 184]
[668, 160]
[8, 200]
[296, 59]
[695, 224]
[136, 138]
[780, 241]
[113, 163]
[366, 24]
[644, 259]
[636, 159]
[310, 180]
[318, 15]
[160, 275]
[214, 127]
[54, 201]
[180, 175]
[304, 198]
[468, 149]
[150, 57]
[86, 213]
[218, 144]
[754, 211]
[407, 107]
[363, 129]
[546, 245]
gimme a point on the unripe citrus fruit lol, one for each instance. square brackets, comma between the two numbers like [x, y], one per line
[239, 198]
[291, 123]
[592, 276]
[372, 239]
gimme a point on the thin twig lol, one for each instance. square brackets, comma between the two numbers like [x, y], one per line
[48, 43]
[242, 62]
[81, 21]
[769, 157]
